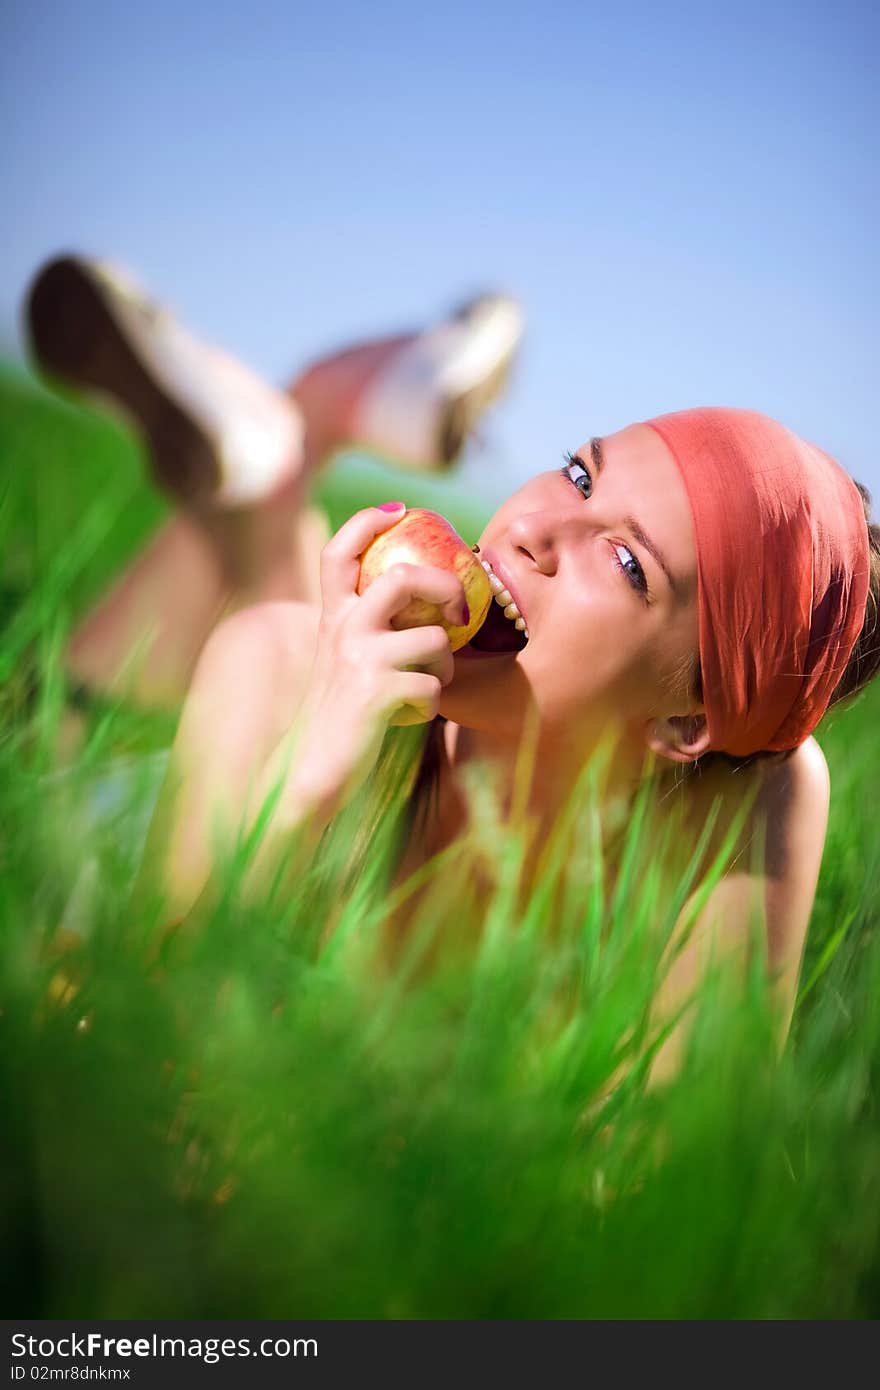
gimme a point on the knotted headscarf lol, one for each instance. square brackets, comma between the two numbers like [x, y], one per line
[782, 573]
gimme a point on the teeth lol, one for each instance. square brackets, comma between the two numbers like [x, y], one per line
[494, 582]
[504, 598]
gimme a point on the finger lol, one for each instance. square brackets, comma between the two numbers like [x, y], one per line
[400, 584]
[419, 649]
[340, 558]
[417, 696]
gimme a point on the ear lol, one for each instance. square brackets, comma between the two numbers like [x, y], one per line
[681, 737]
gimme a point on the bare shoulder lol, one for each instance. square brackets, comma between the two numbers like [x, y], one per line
[276, 632]
[795, 796]
[780, 810]
[292, 626]
[250, 678]
[275, 639]
[805, 774]
[791, 797]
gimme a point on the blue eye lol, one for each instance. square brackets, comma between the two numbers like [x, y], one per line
[574, 470]
[578, 475]
[636, 575]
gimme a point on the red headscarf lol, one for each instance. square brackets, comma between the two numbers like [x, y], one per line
[782, 564]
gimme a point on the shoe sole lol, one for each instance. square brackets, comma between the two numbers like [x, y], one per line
[77, 336]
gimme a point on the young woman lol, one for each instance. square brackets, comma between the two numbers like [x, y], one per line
[696, 591]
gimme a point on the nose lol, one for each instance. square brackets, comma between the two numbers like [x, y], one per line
[532, 536]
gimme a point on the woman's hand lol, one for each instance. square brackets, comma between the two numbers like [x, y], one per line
[366, 674]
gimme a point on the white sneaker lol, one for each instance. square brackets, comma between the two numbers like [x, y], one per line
[423, 404]
[217, 434]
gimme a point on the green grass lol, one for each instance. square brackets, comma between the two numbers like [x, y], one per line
[270, 1124]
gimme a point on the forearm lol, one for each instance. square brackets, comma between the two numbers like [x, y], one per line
[293, 801]
[269, 818]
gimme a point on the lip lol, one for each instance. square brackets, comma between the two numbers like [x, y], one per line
[503, 574]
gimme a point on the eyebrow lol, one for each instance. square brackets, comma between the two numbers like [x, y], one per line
[638, 531]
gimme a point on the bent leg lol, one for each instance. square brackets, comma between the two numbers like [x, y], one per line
[237, 455]
[142, 640]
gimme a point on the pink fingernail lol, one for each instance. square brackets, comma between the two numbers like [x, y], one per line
[392, 506]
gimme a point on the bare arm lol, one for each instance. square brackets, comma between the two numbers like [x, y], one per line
[293, 703]
[243, 699]
[792, 803]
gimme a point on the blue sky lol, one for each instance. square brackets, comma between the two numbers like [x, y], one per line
[684, 196]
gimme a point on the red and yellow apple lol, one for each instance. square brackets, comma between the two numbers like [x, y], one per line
[422, 537]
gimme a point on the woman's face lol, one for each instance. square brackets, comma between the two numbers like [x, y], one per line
[612, 637]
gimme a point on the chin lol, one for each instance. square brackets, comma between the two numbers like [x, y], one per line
[489, 692]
